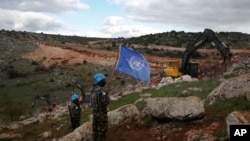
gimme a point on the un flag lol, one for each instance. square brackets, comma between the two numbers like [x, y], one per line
[133, 63]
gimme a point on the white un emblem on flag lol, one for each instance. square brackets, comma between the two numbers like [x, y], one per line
[136, 63]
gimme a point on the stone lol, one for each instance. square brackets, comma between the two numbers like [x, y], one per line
[176, 108]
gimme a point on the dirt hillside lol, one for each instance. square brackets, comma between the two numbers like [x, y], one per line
[65, 54]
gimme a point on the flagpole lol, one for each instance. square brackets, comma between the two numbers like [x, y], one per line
[113, 71]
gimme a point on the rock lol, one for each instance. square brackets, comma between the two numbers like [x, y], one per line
[176, 108]
[186, 78]
[123, 114]
[169, 80]
[42, 116]
[161, 85]
[237, 117]
[28, 121]
[82, 133]
[230, 88]
[46, 134]
[25, 122]
[237, 66]
[115, 117]
[113, 98]
[127, 92]
[55, 114]
[6, 137]
[227, 74]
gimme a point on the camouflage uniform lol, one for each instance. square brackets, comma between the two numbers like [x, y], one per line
[100, 101]
[75, 114]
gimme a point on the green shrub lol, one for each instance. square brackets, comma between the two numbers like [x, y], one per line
[84, 62]
[122, 82]
[34, 63]
[52, 67]
[13, 110]
[77, 64]
[40, 69]
[14, 74]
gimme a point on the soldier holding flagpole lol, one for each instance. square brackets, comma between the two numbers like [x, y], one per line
[129, 62]
[100, 100]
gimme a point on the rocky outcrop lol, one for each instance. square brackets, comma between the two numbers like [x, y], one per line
[175, 108]
[230, 88]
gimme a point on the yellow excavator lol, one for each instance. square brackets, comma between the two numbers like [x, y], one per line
[173, 69]
[176, 69]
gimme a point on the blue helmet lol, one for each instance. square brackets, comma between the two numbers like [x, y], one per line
[98, 77]
[74, 97]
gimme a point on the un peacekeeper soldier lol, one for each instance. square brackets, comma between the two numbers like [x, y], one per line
[75, 111]
[100, 100]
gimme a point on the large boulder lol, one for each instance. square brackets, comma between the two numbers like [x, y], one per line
[123, 114]
[176, 108]
[82, 133]
[231, 88]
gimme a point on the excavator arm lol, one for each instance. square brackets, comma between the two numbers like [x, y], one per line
[208, 36]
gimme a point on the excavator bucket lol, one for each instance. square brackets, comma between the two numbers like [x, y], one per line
[173, 69]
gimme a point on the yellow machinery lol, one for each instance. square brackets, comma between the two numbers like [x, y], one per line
[191, 68]
[173, 69]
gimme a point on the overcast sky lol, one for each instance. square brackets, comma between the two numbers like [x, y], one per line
[124, 18]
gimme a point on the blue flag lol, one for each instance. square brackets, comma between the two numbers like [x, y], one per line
[133, 63]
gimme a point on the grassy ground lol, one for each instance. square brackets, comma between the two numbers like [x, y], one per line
[214, 114]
